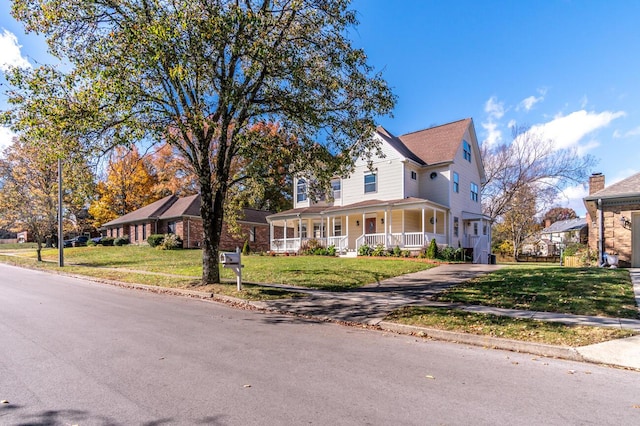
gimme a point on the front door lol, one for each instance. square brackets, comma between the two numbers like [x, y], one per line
[370, 225]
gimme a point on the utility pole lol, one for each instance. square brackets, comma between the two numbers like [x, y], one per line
[60, 235]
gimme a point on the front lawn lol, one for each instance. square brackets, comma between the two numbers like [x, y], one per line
[579, 291]
[184, 267]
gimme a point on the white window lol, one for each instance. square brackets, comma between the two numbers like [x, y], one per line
[252, 234]
[171, 228]
[335, 188]
[301, 190]
[456, 182]
[318, 230]
[466, 150]
[303, 231]
[414, 175]
[474, 192]
[337, 228]
[370, 184]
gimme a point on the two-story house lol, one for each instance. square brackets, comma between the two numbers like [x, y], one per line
[426, 186]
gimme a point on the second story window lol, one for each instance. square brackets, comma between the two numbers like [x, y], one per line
[301, 191]
[466, 148]
[414, 175]
[456, 182]
[474, 192]
[335, 188]
[370, 183]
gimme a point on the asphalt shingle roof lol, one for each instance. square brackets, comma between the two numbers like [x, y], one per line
[173, 207]
[565, 225]
[626, 187]
[437, 144]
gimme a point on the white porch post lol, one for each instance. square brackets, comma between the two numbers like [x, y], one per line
[434, 221]
[386, 233]
[285, 235]
[404, 242]
[329, 229]
[424, 236]
[363, 230]
[272, 235]
[347, 231]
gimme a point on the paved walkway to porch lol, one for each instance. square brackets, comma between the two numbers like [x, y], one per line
[371, 303]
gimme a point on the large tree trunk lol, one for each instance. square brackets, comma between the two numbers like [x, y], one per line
[212, 214]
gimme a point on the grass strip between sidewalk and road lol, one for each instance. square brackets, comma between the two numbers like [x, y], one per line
[529, 330]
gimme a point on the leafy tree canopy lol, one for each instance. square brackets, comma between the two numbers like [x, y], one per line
[198, 74]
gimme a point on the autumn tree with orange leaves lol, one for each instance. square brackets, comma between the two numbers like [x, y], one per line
[129, 185]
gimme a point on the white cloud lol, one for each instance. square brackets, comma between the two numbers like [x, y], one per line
[493, 108]
[633, 132]
[569, 131]
[11, 56]
[528, 103]
[5, 138]
[495, 111]
[571, 197]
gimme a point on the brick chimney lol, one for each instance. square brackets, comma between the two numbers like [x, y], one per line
[596, 183]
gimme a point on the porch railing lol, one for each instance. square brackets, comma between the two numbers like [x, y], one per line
[407, 240]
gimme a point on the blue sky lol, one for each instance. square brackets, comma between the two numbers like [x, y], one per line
[569, 69]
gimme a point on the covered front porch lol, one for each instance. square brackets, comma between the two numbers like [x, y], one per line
[408, 224]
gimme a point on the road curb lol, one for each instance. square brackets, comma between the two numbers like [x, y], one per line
[533, 348]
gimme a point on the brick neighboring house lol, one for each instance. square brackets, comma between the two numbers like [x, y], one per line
[614, 218]
[181, 216]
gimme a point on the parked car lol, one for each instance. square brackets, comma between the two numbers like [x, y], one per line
[79, 241]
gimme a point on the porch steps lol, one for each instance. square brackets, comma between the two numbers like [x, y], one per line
[349, 254]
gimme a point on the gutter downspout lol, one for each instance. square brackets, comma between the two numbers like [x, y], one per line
[601, 232]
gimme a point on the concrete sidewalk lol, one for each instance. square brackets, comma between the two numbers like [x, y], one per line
[372, 303]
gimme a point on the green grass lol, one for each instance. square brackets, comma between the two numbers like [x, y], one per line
[18, 246]
[330, 273]
[579, 291]
[505, 327]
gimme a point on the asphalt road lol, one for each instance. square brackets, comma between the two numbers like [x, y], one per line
[74, 352]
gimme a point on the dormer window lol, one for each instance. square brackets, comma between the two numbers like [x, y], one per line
[301, 192]
[466, 150]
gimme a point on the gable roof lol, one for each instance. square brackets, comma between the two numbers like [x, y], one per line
[629, 187]
[152, 210]
[173, 207]
[437, 144]
[565, 225]
[186, 206]
[398, 145]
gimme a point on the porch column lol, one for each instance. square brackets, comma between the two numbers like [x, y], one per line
[362, 223]
[329, 230]
[424, 236]
[271, 236]
[285, 235]
[386, 223]
[404, 242]
[434, 221]
[346, 232]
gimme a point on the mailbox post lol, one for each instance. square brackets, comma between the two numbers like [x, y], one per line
[233, 260]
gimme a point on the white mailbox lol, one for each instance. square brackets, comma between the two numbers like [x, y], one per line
[230, 258]
[233, 261]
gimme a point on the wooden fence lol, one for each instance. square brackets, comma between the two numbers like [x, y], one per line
[573, 261]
